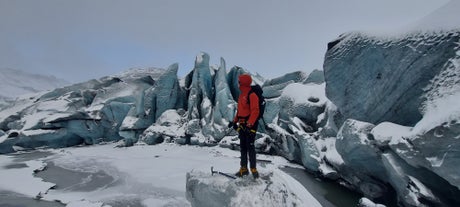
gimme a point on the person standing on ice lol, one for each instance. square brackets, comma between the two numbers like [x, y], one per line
[245, 122]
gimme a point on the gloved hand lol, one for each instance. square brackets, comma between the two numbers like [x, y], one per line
[233, 124]
[250, 128]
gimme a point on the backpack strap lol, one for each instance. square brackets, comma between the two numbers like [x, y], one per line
[249, 94]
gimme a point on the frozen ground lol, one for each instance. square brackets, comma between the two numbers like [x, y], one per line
[107, 176]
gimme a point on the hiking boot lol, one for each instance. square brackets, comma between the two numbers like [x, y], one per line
[242, 172]
[255, 173]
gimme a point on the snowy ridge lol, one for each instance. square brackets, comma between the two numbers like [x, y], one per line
[16, 82]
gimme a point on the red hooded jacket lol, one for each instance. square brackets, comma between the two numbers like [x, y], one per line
[247, 110]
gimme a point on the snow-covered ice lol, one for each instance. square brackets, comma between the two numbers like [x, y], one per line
[152, 175]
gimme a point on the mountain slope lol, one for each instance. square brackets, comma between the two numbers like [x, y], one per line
[14, 83]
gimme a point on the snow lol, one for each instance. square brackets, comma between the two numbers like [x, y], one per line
[300, 93]
[158, 202]
[36, 132]
[436, 161]
[443, 97]
[270, 190]
[85, 203]
[129, 122]
[170, 116]
[167, 124]
[199, 58]
[153, 174]
[247, 198]
[332, 155]
[421, 188]
[390, 133]
[365, 202]
[443, 110]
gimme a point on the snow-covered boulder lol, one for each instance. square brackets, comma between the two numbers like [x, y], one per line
[305, 102]
[169, 125]
[273, 189]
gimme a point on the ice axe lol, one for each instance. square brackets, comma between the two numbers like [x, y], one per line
[221, 173]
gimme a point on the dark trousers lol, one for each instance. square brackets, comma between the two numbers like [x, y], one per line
[247, 149]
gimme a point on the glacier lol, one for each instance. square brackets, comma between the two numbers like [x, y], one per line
[397, 97]
[397, 69]
[381, 118]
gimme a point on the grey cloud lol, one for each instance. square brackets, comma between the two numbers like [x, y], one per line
[82, 39]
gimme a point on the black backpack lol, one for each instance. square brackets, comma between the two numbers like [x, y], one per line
[258, 91]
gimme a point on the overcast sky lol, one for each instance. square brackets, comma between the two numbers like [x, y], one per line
[82, 39]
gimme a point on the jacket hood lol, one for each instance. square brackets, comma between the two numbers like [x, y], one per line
[245, 80]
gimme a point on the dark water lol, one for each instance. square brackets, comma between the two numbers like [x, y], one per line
[328, 193]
